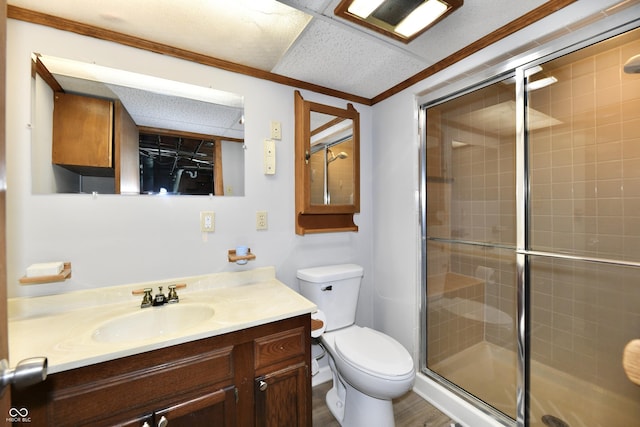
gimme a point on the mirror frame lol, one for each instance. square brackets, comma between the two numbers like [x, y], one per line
[312, 218]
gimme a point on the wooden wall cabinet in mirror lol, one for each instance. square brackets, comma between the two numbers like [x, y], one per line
[96, 137]
[327, 167]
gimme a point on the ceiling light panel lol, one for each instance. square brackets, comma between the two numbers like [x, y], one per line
[364, 8]
[421, 17]
[401, 20]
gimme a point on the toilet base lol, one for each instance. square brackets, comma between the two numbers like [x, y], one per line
[357, 409]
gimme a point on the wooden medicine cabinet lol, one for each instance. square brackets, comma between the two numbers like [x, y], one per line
[327, 164]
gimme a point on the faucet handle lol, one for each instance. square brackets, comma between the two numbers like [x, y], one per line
[147, 299]
[172, 297]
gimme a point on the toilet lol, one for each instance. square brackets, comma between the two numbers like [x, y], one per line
[369, 368]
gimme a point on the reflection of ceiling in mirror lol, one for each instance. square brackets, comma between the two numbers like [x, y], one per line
[333, 133]
[155, 102]
[318, 120]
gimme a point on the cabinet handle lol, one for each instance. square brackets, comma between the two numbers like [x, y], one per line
[164, 422]
[262, 385]
[146, 424]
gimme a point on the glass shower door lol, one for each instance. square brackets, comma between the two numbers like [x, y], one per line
[470, 223]
[584, 238]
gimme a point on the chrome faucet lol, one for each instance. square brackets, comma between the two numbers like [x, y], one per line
[159, 299]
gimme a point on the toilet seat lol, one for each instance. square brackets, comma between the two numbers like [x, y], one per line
[374, 353]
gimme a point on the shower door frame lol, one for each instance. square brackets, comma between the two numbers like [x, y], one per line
[516, 67]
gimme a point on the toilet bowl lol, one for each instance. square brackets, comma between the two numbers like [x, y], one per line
[371, 361]
[369, 368]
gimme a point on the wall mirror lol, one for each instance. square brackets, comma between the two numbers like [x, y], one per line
[99, 129]
[327, 167]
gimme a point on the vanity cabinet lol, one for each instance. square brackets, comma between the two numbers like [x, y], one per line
[281, 397]
[207, 382]
[282, 375]
[96, 137]
[214, 409]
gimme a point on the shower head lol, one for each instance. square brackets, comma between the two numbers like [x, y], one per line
[632, 66]
[341, 155]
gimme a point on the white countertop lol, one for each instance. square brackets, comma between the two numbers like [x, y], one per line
[61, 327]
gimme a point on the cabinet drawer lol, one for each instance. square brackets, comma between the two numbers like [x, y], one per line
[275, 348]
[80, 404]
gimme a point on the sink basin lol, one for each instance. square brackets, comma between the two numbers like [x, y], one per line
[152, 322]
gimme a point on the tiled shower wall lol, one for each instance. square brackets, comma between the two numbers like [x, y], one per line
[585, 192]
[483, 198]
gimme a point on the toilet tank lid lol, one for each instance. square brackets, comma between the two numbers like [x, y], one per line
[329, 273]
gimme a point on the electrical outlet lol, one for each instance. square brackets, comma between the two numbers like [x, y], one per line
[261, 220]
[207, 221]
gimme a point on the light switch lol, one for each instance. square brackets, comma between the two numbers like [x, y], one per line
[276, 130]
[269, 157]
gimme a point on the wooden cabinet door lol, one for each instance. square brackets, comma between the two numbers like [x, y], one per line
[282, 398]
[212, 409]
[127, 156]
[82, 131]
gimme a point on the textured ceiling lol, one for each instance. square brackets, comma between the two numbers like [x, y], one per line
[298, 39]
[154, 105]
[336, 53]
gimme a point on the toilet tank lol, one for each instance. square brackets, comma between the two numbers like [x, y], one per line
[334, 289]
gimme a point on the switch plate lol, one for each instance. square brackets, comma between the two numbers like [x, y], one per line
[269, 157]
[261, 220]
[207, 221]
[276, 130]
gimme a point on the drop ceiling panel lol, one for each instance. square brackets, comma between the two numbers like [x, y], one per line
[340, 58]
[474, 20]
[249, 32]
[170, 112]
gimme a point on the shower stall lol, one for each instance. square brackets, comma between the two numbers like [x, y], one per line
[531, 231]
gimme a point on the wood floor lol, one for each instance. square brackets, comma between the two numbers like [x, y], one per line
[409, 410]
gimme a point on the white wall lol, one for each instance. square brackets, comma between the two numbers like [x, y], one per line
[113, 239]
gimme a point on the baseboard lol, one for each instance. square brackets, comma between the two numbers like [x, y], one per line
[323, 375]
[455, 408]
